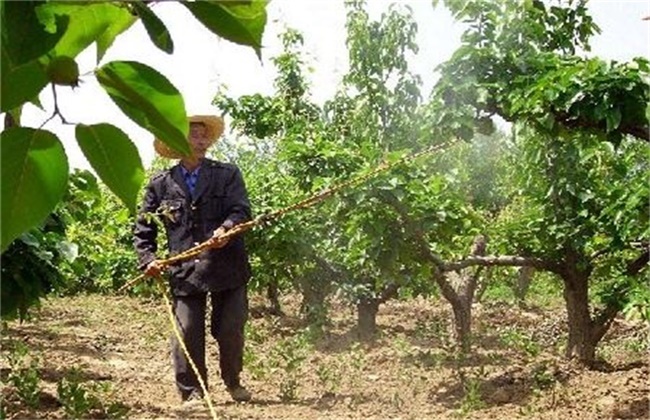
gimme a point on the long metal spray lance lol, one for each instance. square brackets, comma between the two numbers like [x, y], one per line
[306, 203]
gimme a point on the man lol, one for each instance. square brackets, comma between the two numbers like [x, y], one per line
[197, 200]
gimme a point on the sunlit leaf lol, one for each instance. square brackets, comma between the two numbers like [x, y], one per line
[155, 28]
[20, 84]
[24, 37]
[239, 22]
[89, 22]
[115, 159]
[34, 178]
[149, 99]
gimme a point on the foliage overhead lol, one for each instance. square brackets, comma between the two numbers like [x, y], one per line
[519, 60]
[40, 41]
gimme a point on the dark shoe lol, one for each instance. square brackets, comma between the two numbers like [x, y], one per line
[195, 398]
[239, 393]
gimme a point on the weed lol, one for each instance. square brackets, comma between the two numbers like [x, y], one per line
[402, 346]
[103, 395]
[357, 364]
[637, 345]
[254, 364]
[428, 329]
[24, 375]
[472, 396]
[289, 354]
[520, 340]
[397, 401]
[77, 401]
[542, 377]
[329, 376]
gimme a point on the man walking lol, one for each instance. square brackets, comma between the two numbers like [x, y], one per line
[197, 200]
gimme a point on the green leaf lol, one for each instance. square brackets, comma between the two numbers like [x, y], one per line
[20, 84]
[115, 159]
[239, 22]
[34, 179]
[613, 119]
[24, 38]
[155, 28]
[89, 22]
[149, 99]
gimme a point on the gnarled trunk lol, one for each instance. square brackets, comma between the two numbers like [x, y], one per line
[458, 289]
[462, 309]
[273, 295]
[581, 343]
[524, 277]
[367, 309]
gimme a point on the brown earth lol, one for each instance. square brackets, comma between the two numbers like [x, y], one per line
[120, 347]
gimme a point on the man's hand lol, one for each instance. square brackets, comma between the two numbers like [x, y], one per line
[153, 269]
[217, 241]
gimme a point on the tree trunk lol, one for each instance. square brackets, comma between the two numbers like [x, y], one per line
[273, 294]
[460, 297]
[367, 317]
[524, 277]
[462, 309]
[576, 296]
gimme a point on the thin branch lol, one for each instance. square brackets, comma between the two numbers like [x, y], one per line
[638, 264]
[599, 253]
[503, 260]
[389, 292]
[422, 247]
[411, 227]
[56, 112]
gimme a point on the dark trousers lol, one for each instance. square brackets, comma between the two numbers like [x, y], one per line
[228, 317]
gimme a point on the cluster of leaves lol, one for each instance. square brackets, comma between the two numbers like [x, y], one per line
[40, 41]
[30, 267]
[518, 60]
[99, 226]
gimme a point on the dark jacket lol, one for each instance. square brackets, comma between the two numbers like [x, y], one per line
[220, 200]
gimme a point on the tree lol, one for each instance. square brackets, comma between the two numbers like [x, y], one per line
[282, 164]
[39, 43]
[581, 201]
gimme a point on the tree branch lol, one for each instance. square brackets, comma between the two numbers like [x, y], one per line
[603, 320]
[503, 260]
[412, 228]
[638, 264]
[421, 246]
[389, 292]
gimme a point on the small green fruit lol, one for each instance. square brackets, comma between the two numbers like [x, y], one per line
[63, 70]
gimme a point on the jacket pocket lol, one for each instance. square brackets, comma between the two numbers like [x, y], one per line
[171, 211]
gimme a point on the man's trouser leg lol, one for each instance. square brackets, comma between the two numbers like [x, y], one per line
[229, 315]
[190, 318]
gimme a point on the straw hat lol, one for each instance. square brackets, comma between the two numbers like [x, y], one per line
[214, 129]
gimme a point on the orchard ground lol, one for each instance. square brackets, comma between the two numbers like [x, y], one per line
[114, 353]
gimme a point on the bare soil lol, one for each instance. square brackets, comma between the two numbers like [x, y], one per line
[120, 348]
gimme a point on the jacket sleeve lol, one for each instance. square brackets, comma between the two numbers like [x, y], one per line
[238, 208]
[145, 230]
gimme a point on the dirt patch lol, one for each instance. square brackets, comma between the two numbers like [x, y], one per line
[118, 348]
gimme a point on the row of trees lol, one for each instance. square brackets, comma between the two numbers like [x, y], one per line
[563, 191]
